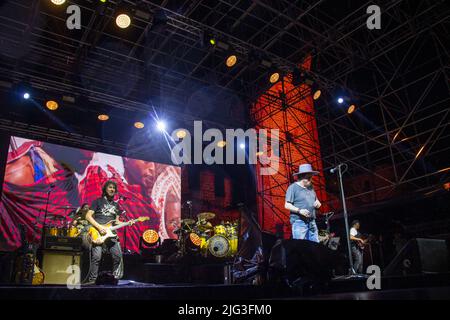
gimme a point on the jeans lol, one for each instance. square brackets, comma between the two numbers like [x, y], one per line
[357, 259]
[96, 255]
[305, 230]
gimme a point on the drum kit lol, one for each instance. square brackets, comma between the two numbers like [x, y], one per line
[59, 226]
[202, 238]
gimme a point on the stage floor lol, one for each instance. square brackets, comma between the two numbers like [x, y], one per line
[393, 288]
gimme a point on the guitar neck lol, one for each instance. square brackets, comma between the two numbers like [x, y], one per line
[123, 224]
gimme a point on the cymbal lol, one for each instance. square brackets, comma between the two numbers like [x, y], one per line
[204, 225]
[188, 221]
[206, 215]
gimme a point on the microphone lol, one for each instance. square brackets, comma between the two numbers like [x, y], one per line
[336, 168]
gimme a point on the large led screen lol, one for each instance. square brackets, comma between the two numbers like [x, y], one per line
[47, 178]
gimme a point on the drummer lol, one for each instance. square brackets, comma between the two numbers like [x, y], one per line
[79, 217]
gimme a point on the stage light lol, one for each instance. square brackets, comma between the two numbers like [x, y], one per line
[52, 105]
[242, 145]
[351, 109]
[447, 186]
[274, 77]
[103, 117]
[123, 21]
[221, 144]
[317, 94]
[26, 96]
[212, 41]
[139, 125]
[181, 134]
[340, 100]
[150, 236]
[58, 2]
[195, 239]
[231, 61]
[161, 125]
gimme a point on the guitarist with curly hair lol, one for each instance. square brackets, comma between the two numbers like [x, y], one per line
[104, 211]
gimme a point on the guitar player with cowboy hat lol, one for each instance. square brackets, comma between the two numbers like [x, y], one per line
[302, 202]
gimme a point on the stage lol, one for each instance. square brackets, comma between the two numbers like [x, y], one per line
[427, 287]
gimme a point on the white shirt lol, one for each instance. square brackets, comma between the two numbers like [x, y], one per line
[353, 232]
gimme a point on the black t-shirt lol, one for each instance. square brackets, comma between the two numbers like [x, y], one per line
[105, 210]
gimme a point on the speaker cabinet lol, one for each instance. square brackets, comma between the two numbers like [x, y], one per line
[55, 266]
[294, 259]
[420, 256]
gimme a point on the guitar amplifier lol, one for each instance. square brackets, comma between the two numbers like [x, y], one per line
[63, 243]
[61, 267]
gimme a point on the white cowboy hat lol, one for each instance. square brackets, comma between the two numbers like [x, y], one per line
[306, 168]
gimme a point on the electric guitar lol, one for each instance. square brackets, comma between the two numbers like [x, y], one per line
[366, 240]
[98, 239]
[27, 269]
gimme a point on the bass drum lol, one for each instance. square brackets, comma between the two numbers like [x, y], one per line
[218, 246]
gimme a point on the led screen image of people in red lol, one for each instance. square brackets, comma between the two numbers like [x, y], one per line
[38, 173]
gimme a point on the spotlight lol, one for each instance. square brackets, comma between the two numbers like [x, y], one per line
[181, 134]
[340, 100]
[231, 61]
[139, 125]
[103, 117]
[26, 96]
[221, 144]
[274, 77]
[123, 21]
[161, 125]
[317, 94]
[58, 2]
[150, 236]
[351, 109]
[212, 41]
[242, 145]
[52, 105]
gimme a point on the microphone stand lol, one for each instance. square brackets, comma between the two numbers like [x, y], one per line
[45, 216]
[351, 272]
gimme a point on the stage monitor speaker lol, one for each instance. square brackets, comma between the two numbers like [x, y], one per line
[55, 265]
[295, 259]
[420, 256]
